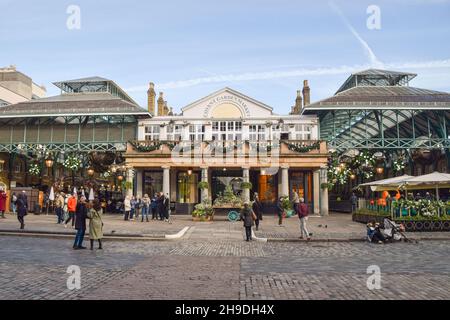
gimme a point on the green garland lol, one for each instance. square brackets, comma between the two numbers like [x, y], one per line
[72, 162]
[34, 169]
[146, 148]
[246, 185]
[304, 149]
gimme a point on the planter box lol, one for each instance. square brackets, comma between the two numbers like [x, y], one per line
[366, 218]
[205, 219]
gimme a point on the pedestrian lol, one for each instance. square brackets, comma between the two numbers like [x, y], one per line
[257, 209]
[154, 206]
[14, 203]
[145, 207]
[160, 206]
[133, 205]
[3, 198]
[22, 209]
[248, 216]
[354, 201]
[59, 204]
[166, 207]
[296, 201]
[95, 224]
[428, 196]
[127, 207]
[80, 223]
[280, 211]
[303, 212]
[138, 206]
[72, 203]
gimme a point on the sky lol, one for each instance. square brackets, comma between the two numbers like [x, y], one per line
[262, 48]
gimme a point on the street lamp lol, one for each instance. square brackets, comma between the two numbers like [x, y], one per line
[380, 170]
[120, 177]
[49, 163]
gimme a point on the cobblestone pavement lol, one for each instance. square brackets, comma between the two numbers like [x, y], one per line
[35, 268]
[335, 226]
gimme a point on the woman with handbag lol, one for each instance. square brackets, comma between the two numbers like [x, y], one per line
[96, 224]
[248, 216]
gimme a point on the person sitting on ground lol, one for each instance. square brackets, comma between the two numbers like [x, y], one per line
[374, 234]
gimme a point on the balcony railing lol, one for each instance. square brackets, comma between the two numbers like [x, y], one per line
[228, 148]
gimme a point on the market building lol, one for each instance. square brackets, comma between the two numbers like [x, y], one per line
[69, 140]
[228, 138]
[378, 126]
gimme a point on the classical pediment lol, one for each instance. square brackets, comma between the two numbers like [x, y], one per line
[227, 104]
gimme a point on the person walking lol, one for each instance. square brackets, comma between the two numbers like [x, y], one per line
[296, 201]
[71, 208]
[96, 224]
[354, 201]
[59, 204]
[145, 207]
[160, 206]
[303, 213]
[257, 209]
[248, 216]
[14, 203]
[3, 198]
[22, 209]
[80, 223]
[154, 206]
[280, 211]
[127, 207]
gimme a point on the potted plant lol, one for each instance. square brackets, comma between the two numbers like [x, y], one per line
[203, 185]
[203, 211]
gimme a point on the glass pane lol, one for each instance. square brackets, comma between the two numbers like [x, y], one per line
[153, 182]
[187, 188]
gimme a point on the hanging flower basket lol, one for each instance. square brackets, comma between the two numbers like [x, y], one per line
[34, 169]
[72, 163]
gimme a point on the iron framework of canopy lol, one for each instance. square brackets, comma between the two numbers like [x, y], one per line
[376, 109]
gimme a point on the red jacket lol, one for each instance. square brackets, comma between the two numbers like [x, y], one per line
[72, 204]
[2, 201]
[303, 210]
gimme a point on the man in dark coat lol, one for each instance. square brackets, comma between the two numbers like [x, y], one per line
[247, 216]
[80, 223]
[160, 206]
[21, 210]
[257, 209]
[166, 206]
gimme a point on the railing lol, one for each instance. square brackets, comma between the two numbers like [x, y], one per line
[63, 146]
[391, 143]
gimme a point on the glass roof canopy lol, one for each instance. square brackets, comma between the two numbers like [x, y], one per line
[375, 110]
[93, 84]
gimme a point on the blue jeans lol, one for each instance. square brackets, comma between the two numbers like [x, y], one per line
[79, 238]
[144, 213]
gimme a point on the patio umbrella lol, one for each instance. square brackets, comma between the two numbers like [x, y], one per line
[75, 190]
[434, 180]
[82, 193]
[91, 195]
[391, 184]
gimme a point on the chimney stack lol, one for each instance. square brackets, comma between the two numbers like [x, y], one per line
[297, 109]
[166, 109]
[306, 93]
[161, 104]
[151, 96]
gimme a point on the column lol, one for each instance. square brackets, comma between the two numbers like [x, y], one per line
[204, 192]
[246, 178]
[323, 192]
[130, 176]
[284, 181]
[316, 192]
[166, 180]
[139, 182]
